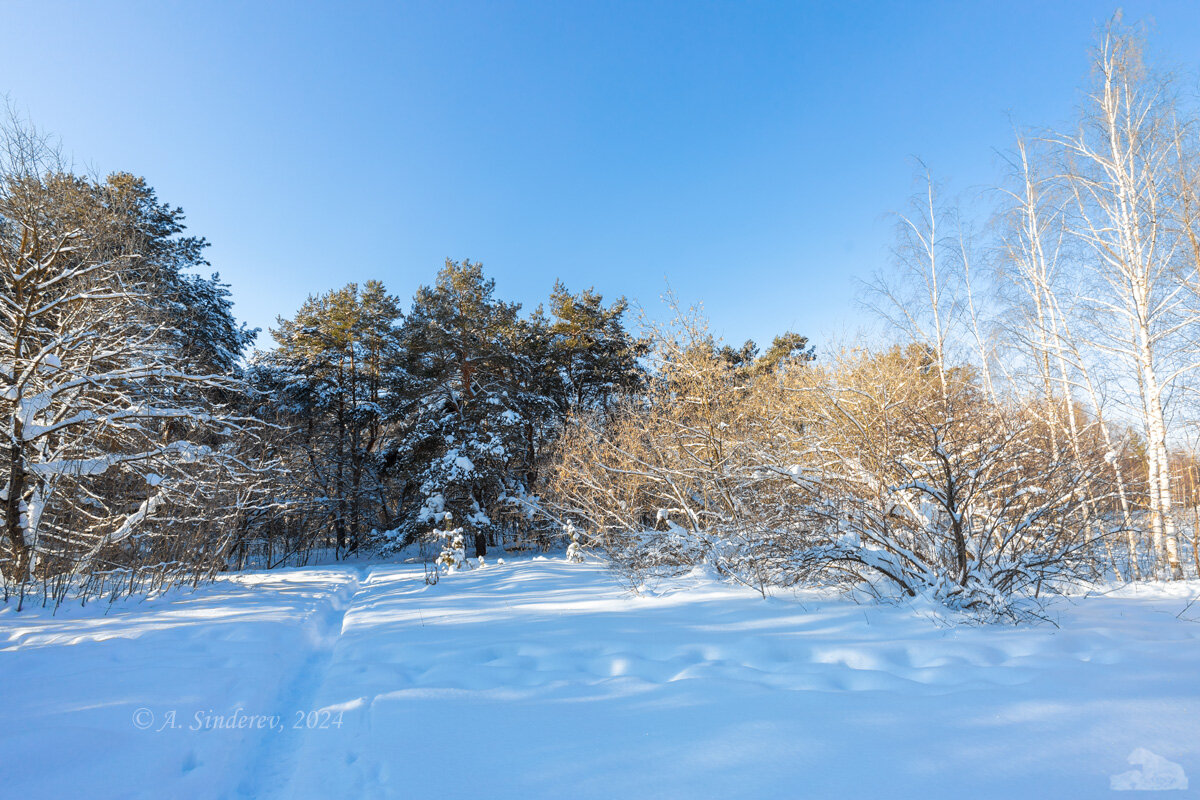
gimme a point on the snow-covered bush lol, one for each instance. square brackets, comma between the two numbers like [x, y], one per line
[938, 489]
[869, 473]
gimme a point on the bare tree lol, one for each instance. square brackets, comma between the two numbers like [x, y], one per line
[1032, 243]
[110, 440]
[1119, 168]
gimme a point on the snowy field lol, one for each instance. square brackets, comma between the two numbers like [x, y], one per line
[542, 679]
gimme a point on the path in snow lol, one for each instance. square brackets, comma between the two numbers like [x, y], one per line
[546, 679]
[274, 759]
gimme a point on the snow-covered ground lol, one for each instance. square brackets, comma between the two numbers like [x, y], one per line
[547, 679]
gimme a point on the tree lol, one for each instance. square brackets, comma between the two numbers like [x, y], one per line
[195, 309]
[331, 371]
[115, 442]
[1120, 170]
[461, 415]
[596, 356]
[785, 350]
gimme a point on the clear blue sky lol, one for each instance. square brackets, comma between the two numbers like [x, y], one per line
[746, 152]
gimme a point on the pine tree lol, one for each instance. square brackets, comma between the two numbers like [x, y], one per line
[786, 349]
[196, 310]
[330, 369]
[596, 356]
[459, 404]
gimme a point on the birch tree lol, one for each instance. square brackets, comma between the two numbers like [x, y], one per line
[1119, 169]
[922, 296]
[1041, 328]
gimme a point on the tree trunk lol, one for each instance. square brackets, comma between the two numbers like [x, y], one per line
[1166, 541]
[12, 513]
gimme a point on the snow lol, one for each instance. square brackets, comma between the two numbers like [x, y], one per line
[546, 679]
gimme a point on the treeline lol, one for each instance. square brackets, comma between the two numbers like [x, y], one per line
[1026, 424]
[145, 445]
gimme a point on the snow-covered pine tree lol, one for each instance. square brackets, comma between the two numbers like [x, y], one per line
[329, 376]
[462, 421]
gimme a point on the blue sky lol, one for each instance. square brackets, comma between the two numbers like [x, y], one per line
[747, 153]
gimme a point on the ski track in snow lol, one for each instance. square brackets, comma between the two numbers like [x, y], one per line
[540, 678]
